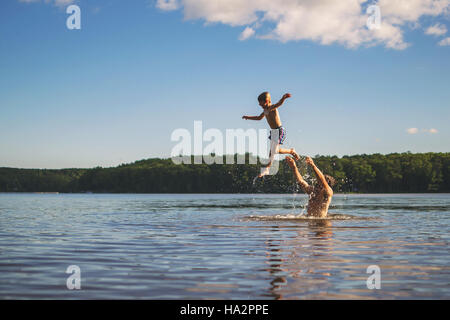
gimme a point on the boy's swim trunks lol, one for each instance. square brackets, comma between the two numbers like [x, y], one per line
[281, 134]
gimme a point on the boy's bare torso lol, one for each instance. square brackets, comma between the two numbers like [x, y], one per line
[273, 118]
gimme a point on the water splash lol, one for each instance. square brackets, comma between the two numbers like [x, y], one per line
[254, 181]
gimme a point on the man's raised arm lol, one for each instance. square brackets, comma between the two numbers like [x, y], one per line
[303, 184]
[319, 174]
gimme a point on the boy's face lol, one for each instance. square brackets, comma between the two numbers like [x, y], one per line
[267, 103]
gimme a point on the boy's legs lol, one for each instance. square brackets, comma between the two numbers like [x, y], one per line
[274, 148]
[265, 170]
[280, 135]
[277, 136]
[289, 151]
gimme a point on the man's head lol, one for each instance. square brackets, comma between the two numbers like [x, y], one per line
[329, 179]
[264, 99]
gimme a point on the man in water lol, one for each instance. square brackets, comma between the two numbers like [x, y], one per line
[320, 193]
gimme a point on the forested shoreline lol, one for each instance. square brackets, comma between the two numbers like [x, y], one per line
[376, 173]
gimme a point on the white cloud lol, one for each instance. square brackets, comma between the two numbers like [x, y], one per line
[412, 130]
[167, 5]
[247, 33]
[63, 2]
[445, 42]
[416, 130]
[400, 11]
[436, 30]
[323, 21]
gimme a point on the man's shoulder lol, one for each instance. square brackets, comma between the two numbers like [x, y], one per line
[326, 192]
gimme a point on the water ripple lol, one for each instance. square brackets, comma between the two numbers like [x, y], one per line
[223, 246]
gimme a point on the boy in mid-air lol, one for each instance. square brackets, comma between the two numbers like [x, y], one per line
[278, 133]
[320, 193]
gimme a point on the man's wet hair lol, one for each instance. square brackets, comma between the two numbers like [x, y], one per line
[330, 180]
[263, 97]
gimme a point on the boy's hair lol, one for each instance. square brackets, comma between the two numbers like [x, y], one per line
[330, 180]
[262, 98]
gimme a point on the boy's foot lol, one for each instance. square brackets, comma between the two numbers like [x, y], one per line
[264, 173]
[295, 154]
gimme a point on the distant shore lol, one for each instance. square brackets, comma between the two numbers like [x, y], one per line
[376, 173]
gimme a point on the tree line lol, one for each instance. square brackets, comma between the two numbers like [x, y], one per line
[376, 173]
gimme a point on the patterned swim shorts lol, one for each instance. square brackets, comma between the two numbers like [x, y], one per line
[281, 134]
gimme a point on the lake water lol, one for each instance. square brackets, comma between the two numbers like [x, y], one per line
[130, 246]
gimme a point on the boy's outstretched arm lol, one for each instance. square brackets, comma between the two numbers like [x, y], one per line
[279, 103]
[319, 174]
[260, 117]
[303, 184]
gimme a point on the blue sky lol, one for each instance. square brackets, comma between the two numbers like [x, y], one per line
[114, 91]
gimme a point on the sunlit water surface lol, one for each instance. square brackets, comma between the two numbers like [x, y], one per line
[223, 246]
